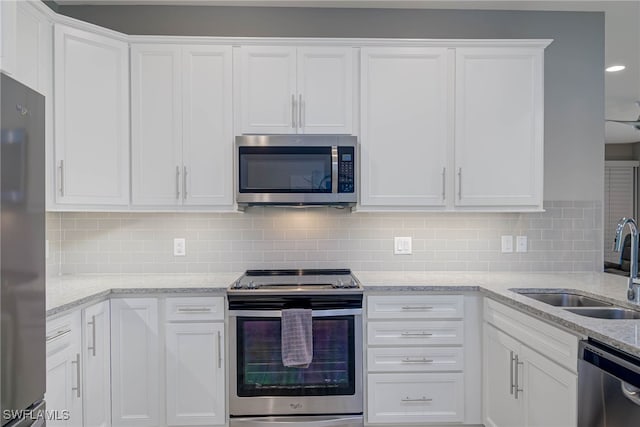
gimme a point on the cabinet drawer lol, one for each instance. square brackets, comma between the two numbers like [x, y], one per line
[415, 398]
[415, 307]
[401, 333]
[62, 331]
[412, 359]
[206, 308]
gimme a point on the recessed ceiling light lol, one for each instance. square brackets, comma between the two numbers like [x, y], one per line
[615, 68]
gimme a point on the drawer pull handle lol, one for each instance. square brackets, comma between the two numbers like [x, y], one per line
[423, 360]
[194, 310]
[58, 335]
[417, 307]
[415, 334]
[420, 399]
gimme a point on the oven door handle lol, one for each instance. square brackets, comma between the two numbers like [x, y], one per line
[295, 421]
[278, 313]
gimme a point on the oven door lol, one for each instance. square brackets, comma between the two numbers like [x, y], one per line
[261, 385]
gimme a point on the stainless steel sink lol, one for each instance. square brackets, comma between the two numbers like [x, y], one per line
[606, 312]
[565, 299]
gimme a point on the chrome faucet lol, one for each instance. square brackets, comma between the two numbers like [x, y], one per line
[633, 293]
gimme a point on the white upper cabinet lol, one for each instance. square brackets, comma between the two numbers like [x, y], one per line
[91, 118]
[182, 119]
[296, 90]
[8, 29]
[34, 35]
[405, 126]
[156, 125]
[499, 127]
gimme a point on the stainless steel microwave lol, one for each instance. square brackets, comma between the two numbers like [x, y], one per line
[296, 170]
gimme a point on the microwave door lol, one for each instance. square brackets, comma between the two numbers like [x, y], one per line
[287, 170]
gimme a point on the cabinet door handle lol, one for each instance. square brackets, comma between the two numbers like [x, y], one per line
[300, 104]
[219, 351]
[417, 307]
[178, 182]
[184, 182]
[194, 310]
[423, 360]
[61, 168]
[517, 385]
[459, 183]
[57, 335]
[511, 383]
[77, 387]
[444, 182]
[415, 334]
[92, 347]
[293, 111]
[419, 399]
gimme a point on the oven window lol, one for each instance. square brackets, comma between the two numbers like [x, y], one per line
[285, 169]
[260, 368]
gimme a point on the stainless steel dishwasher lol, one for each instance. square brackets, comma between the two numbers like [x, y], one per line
[608, 386]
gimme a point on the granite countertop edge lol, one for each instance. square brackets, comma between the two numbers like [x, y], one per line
[621, 334]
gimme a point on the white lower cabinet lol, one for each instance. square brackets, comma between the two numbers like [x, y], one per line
[415, 398]
[195, 363]
[417, 360]
[96, 353]
[135, 362]
[168, 353]
[78, 368]
[522, 386]
[64, 388]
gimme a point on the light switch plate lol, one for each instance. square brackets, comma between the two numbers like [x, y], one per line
[521, 243]
[402, 245]
[179, 246]
[507, 244]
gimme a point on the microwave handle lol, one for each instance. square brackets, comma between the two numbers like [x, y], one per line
[334, 169]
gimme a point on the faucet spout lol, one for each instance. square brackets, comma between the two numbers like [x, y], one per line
[633, 291]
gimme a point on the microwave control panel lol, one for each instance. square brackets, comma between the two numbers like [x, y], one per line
[346, 170]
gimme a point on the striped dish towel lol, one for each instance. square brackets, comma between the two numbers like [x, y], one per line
[297, 338]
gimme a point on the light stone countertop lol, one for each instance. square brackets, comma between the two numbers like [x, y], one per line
[67, 292]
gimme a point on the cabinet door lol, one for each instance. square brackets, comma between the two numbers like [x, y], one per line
[405, 126]
[268, 99]
[207, 132]
[135, 353]
[8, 30]
[96, 352]
[549, 392]
[501, 408]
[499, 127]
[325, 90]
[64, 379]
[195, 374]
[92, 118]
[32, 42]
[156, 144]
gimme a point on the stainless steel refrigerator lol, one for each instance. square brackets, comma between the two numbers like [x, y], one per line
[22, 255]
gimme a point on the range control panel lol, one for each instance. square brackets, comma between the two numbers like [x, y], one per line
[346, 170]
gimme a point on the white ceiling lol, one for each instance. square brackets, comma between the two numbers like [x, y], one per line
[622, 38]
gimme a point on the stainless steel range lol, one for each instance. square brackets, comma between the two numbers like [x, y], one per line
[265, 392]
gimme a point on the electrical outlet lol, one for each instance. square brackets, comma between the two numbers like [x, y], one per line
[179, 246]
[521, 243]
[507, 244]
[402, 245]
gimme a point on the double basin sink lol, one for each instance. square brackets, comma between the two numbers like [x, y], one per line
[582, 305]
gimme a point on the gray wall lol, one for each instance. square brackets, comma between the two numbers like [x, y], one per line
[574, 62]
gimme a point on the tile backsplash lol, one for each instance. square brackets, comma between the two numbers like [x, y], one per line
[566, 237]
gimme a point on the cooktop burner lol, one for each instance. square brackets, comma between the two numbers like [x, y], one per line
[296, 281]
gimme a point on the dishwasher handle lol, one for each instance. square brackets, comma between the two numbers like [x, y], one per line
[621, 365]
